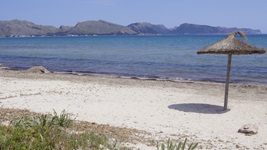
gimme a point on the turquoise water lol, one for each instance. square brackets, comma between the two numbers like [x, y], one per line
[164, 57]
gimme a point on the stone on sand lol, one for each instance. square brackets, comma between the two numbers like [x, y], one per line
[38, 69]
[248, 129]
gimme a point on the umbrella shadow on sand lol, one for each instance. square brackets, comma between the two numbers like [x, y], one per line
[198, 108]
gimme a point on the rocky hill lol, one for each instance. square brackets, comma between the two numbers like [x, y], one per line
[17, 28]
[99, 28]
[148, 28]
[187, 28]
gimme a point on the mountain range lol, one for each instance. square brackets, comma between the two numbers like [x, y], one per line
[18, 28]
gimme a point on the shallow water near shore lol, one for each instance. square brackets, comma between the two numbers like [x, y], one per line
[151, 57]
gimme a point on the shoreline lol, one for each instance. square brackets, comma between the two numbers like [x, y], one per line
[163, 108]
[152, 78]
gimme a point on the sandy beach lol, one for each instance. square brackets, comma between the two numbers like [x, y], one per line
[165, 109]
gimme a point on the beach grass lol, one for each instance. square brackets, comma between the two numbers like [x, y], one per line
[48, 132]
[58, 131]
[182, 145]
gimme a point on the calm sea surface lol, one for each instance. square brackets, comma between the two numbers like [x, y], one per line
[156, 57]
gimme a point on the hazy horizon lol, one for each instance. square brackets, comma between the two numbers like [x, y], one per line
[238, 13]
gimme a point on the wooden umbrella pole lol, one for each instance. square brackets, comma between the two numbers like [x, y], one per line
[227, 81]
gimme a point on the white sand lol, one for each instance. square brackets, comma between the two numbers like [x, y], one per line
[166, 109]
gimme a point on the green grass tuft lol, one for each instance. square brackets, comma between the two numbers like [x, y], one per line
[55, 132]
[176, 146]
[49, 132]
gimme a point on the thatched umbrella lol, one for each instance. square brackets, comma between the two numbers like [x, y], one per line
[231, 46]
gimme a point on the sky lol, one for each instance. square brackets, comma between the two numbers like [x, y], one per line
[171, 13]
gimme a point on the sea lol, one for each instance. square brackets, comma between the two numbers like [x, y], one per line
[146, 57]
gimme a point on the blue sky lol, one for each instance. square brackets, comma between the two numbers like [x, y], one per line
[171, 13]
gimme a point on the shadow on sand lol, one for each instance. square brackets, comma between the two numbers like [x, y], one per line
[198, 108]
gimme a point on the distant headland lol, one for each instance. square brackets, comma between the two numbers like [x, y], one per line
[19, 28]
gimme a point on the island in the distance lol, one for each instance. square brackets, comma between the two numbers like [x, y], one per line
[18, 28]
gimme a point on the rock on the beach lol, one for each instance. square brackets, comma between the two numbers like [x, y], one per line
[38, 69]
[248, 129]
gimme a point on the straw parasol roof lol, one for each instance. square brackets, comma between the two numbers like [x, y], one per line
[231, 46]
